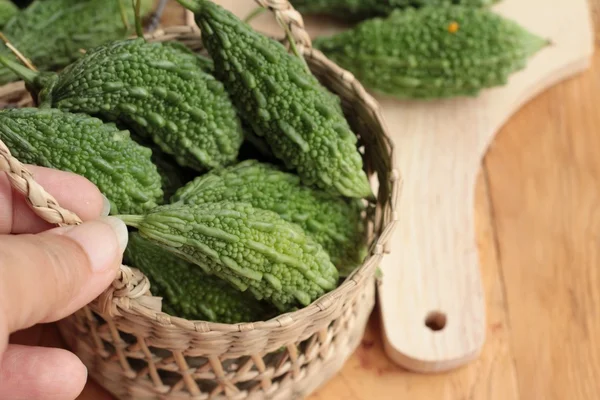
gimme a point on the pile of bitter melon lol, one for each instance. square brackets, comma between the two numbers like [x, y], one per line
[238, 174]
[54, 33]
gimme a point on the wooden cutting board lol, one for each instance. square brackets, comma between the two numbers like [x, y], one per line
[431, 298]
[432, 305]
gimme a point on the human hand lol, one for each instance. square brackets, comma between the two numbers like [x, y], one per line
[48, 273]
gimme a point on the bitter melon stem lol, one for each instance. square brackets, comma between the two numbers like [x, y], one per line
[138, 19]
[253, 14]
[133, 221]
[123, 15]
[290, 38]
[193, 5]
[17, 53]
[23, 72]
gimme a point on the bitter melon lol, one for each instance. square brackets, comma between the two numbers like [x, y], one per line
[251, 248]
[84, 145]
[157, 90]
[433, 52]
[357, 10]
[7, 10]
[187, 291]
[283, 102]
[333, 222]
[52, 33]
[172, 175]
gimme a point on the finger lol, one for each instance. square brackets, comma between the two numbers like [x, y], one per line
[47, 276]
[32, 373]
[73, 192]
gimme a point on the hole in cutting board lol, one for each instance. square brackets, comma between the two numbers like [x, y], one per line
[436, 321]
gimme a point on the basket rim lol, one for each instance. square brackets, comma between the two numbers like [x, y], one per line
[130, 294]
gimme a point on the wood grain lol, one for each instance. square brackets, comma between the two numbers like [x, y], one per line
[545, 180]
[538, 224]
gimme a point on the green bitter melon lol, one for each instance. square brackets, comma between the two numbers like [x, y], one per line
[187, 291]
[333, 222]
[283, 102]
[52, 33]
[433, 52]
[7, 10]
[172, 175]
[157, 90]
[107, 156]
[357, 10]
[251, 248]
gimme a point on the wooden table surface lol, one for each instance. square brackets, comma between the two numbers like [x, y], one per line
[538, 223]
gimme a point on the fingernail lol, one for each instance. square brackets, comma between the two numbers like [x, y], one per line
[105, 206]
[97, 238]
[120, 230]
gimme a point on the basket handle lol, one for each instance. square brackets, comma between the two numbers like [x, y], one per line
[288, 18]
[41, 202]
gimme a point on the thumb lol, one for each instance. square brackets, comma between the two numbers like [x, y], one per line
[47, 276]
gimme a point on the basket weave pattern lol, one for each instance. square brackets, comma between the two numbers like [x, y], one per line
[137, 352]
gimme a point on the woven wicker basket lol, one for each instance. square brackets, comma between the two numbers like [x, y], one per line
[137, 352]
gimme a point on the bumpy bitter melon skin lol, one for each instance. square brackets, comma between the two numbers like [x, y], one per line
[187, 291]
[362, 9]
[51, 33]
[433, 52]
[283, 102]
[108, 157]
[251, 248]
[159, 91]
[7, 10]
[333, 222]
